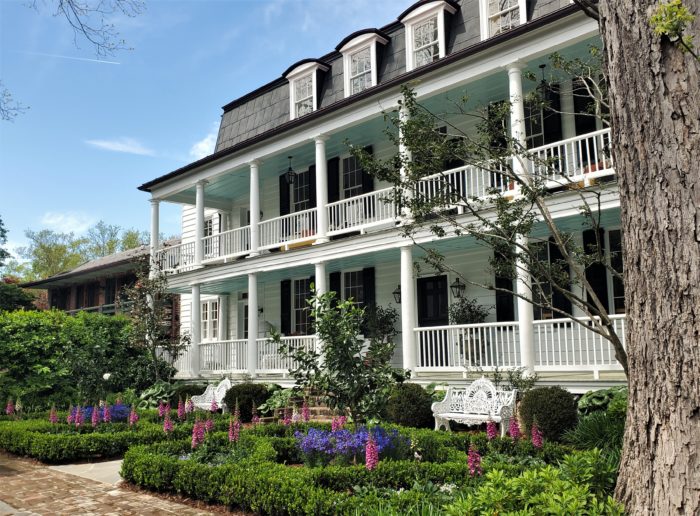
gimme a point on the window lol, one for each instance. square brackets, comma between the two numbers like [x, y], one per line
[301, 190]
[352, 177]
[303, 96]
[618, 287]
[360, 70]
[425, 32]
[534, 124]
[501, 15]
[353, 287]
[360, 60]
[302, 317]
[208, 231]
[555, 302]
[110, 291]
[210, 320]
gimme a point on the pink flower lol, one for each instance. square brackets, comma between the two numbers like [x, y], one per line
[70, 418]
[10, 407]
[168, 426]
[237, 411]
[209, 425]
[371, 454]
[296, 417]
[287, 417]
[255, 419]
[337, 423]
[491, 430]
[161, 409]
[305, 412]
[107, 414]
[53, 416]
[234, 429]
[189, 406]
[197, 433]
[95, 420]
[474, 461]
[133, 417]
[181, 413]
[514, 428]
[79, 416]
[214, 406]
[536, 436]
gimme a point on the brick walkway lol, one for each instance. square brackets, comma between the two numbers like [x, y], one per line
[30, 488]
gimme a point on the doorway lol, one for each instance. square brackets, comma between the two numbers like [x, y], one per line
[432, 294]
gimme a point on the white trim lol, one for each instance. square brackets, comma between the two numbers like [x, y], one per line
[302, 72]
[354, 46]
[485, 17]
[422, 14]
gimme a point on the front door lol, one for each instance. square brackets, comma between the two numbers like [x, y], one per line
[432, 311]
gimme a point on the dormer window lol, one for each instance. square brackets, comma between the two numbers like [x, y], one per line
[498, 16]
[304, 80]
[360, 51]
[426, 38]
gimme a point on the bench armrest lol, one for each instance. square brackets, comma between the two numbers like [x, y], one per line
[444, 405]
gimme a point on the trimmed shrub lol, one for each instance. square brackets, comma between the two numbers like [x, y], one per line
[246, 393]
[553, 408]
[409, 405]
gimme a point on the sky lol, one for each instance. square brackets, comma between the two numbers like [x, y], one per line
[97, 128]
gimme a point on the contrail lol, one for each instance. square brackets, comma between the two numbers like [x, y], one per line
[69, 57]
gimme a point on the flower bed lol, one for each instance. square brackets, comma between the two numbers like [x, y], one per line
[262, 471]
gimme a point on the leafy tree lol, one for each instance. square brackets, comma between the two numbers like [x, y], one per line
[133, 238]
[352, 374]
[102, 240]
[50, 252]
[12, 297]
[4, 253]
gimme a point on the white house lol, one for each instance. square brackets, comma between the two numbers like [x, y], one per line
[253, 241]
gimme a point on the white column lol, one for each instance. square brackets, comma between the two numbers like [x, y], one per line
[320, 278]
[196, 330]
[223, 317]
[525, 308]
[155, 229]
[568, 118]
[408, 309]
[321, 189]
[405, 153]
[254, 207]
[517, 107]
[199, 223]
[252, 323]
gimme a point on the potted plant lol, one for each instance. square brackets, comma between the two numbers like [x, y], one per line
[468, 311]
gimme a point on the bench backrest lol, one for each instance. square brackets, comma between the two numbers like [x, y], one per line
[221, 389]
[481, 397]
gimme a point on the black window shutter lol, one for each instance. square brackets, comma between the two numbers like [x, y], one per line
[284, 196]
[334, 179]
[367, 180]
[596, 273]
[368, 286]
[584, 104]
[505, 306]
[552, 115]
[286, 306]
[334, 285]
[312, 186]
[559, 300]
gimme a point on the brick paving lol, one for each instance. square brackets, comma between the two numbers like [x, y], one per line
[30, 488]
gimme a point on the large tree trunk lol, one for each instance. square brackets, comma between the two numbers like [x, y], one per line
[655, 105]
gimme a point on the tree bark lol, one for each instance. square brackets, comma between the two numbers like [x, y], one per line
[655, 120]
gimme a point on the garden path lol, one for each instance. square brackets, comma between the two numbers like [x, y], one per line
[29, 488]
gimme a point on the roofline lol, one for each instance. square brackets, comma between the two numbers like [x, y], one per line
[303, 62]
[360, 33]
[369, 92]
[423, 2]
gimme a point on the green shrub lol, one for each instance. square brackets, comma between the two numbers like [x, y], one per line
[186, 390]
[246, 393]
[553, 408]
[599, 400]
[600, 430]
[409, 405]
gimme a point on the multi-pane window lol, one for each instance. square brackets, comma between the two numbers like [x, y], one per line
[302, 318]
[303, 95]
[302, 192]
[210, 320]
[352, 177]
[208, 231]
[360, 70]
[534, 124]
[353, 287]
[426, 43]
[618, 287]
[503, 15]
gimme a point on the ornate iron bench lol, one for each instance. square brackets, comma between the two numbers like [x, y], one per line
[203, 401]
[476, 404]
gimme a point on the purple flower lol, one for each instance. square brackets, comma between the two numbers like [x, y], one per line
[161, 409]
[209, 425]
[10, 407]
[189, 406]
[107, 414]
[79, 417]
[371, 454]
[338, 422]
[168, 426]
[255, 419]
[133, 417]
[197, 433]
[234, 429]
[287, 417]
[491, 430]
[305, 412]
[474, 461]
[181, 413]
[536, 436]
[214, 406]
[53, 416]
[95, 419]
[514, 428]
[70, 418]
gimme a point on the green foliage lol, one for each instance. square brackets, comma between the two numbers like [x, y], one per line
[467, 311]
[186, 390]
[599, 430]
[409, 405]
[552, 408]
[277, 399]
[518, 378]
[354, 376]
[246, 393]
[599, 400]
[12, 297]
[4, 253]
[158, 392]
[671, 19]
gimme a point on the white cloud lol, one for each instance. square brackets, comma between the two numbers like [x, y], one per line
[206, 145]
[67, 222]
[124, 144]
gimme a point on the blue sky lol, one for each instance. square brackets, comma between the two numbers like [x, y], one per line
[97, 130]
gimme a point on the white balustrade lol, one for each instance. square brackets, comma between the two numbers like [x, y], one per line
[234, 242]
[585, 156]
[226, 356]
[450, 188]
[361, 212]
[457, 347]
[176, 258]
[288, 229]
[270, 360]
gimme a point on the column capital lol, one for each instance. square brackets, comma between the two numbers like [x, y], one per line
[320, 138]
[194, 284]
[202, 182]
[255, 163]
[154, 201]
[515, 66]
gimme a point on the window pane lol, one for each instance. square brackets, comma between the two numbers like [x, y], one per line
[302, 197]
[354, 288]
[302, 320]
[352, 177]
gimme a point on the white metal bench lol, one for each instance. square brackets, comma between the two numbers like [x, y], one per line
[476, 404]
[217, 392]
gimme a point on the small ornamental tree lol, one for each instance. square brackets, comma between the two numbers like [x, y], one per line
[150, 308]
[352, 374]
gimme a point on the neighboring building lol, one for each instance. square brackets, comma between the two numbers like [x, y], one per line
[253, 241]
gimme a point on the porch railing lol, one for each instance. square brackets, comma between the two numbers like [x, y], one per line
[585, 156]
[289, 229]
[176, 258]
[457, 347]
[231, 243]
[270, 360]
[227, 356]
[451, 187]
[361, 212]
